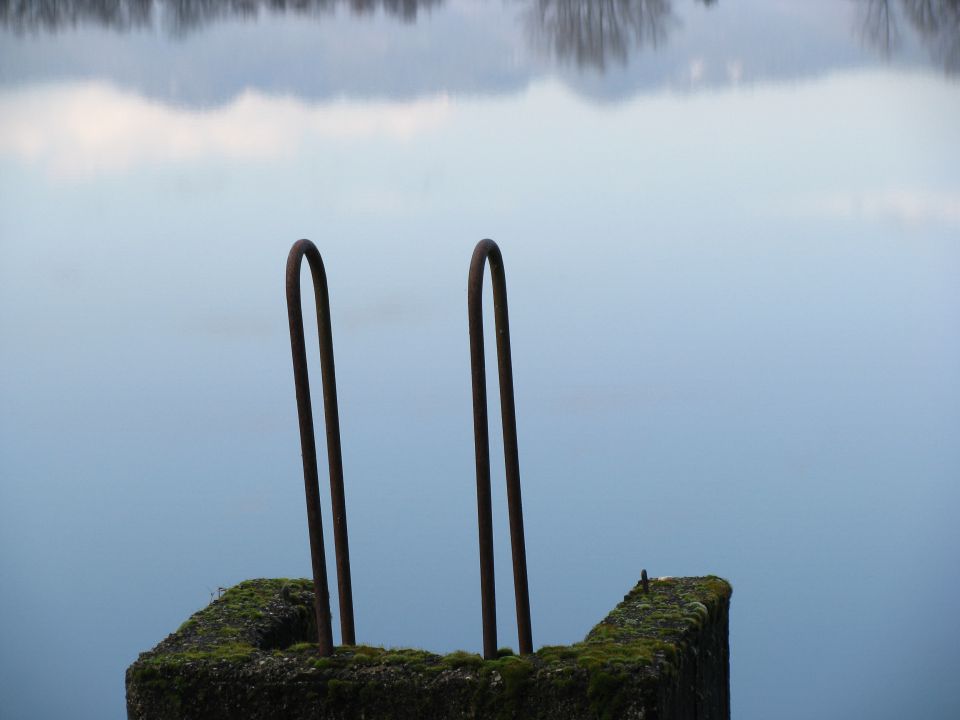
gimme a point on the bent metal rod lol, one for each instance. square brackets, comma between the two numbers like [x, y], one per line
[487, 250]
[301, 249]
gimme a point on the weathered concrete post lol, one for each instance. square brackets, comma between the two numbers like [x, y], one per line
[252, 655]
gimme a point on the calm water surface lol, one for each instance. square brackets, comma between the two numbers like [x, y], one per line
[732, 240]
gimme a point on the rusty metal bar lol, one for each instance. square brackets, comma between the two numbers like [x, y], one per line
[488, 250]
[301, 249]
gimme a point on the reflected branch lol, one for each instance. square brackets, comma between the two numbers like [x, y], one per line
[936, 22]
[879, 25]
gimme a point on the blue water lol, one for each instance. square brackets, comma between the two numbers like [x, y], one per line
[731, 240]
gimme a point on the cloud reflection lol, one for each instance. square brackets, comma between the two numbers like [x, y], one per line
[903, 206]
[91, 128]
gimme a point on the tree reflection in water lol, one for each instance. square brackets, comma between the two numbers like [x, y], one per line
[179, 16]
[937, 22]
[53, 15]
[592, 33]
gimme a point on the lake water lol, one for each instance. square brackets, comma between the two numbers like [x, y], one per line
[731, 233]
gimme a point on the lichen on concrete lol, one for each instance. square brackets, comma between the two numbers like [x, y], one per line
[250, 654]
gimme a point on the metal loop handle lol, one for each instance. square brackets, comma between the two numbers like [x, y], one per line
[488, 250]
[301, 249]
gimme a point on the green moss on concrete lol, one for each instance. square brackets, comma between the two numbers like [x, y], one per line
[461, 659]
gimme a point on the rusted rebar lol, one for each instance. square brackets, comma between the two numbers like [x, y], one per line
[301, 249]
[488, 250]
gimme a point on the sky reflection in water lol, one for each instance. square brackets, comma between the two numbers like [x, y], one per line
[730, 234]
